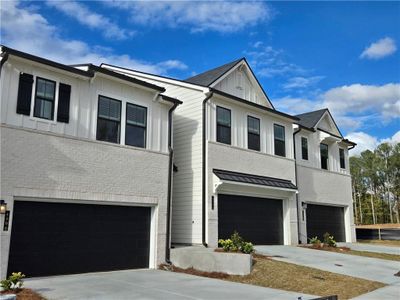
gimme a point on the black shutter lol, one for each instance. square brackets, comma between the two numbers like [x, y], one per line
[24, 94]
[64, 94]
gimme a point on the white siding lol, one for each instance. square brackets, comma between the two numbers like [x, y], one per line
[238, 83]
[83, 103]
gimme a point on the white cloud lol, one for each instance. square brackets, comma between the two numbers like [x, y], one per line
[270, 62]
[368, 142]
[199, 16]
[93, 20]
[353, 106]
[301, 82]
[27, 30]
[358, 99]
[363, 140]
[379, 49]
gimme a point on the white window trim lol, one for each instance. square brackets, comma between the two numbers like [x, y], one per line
[33, 97]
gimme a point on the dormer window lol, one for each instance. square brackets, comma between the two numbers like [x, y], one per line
[324, 156]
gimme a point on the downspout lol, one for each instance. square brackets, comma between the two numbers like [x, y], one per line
[3, 61]
[169, 196]
[203, 203]
[295, 176]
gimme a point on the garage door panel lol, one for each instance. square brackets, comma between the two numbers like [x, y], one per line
[258, 220]
[66, 238]
[324, 218]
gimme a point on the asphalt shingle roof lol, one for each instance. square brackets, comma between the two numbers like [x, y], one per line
[254, 179]
[311, 119]
[208, 77]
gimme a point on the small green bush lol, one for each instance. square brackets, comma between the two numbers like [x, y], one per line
[315, 241]
[227, 245]
[13, 282]
[247, 248]
[329, 240]
[235, 244]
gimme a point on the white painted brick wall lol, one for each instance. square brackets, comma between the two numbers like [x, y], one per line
[43, 165]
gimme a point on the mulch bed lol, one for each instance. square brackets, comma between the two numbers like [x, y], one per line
[191, 271]
[25, 294]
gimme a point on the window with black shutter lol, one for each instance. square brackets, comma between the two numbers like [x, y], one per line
[324, 156]
[304, 148]
[279, 140]
[64, 94]
[342, 160]
[45, 95]
[136, 121]
[223, 125]
[253, 133]
[108, 120]
[24, 94]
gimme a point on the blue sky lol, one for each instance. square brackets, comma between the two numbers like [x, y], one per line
[307, 55]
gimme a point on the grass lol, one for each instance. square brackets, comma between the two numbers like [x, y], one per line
[381, 242]
[382, 226]
[290, 277]
[25, 294]
[346, 250]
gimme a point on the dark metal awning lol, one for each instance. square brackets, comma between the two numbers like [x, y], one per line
[254, 179]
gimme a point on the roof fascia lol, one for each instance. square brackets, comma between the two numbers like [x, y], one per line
[156, 77]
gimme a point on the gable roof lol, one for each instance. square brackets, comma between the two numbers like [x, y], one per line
[209, 77]
[310, 119]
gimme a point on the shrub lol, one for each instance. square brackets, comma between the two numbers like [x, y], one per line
[235, 244]
[13, 282]
[227, 245]
[315, 241]
[247, 248]
[237, 241]
[329, 240]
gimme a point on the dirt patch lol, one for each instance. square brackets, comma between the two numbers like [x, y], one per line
[25, 294]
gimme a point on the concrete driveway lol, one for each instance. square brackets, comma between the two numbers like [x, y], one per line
[148, 285]
[352, 265]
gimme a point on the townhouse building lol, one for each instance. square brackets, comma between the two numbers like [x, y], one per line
[102, 167]
[80, 147]
[237, 167]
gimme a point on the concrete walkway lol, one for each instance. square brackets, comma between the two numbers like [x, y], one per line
[371, 248]
[150, 284]
[351, 265]
[387, 293]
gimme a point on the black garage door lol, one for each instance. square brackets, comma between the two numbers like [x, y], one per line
[257, 220]
[60, 238]
[323, 218]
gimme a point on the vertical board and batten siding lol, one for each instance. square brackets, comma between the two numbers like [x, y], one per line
[239, 84]
[83, 104]
[186, 220]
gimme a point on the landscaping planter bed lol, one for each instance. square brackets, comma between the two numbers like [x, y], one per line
[24, 294]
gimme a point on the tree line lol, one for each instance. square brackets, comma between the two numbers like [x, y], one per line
[376, 185]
